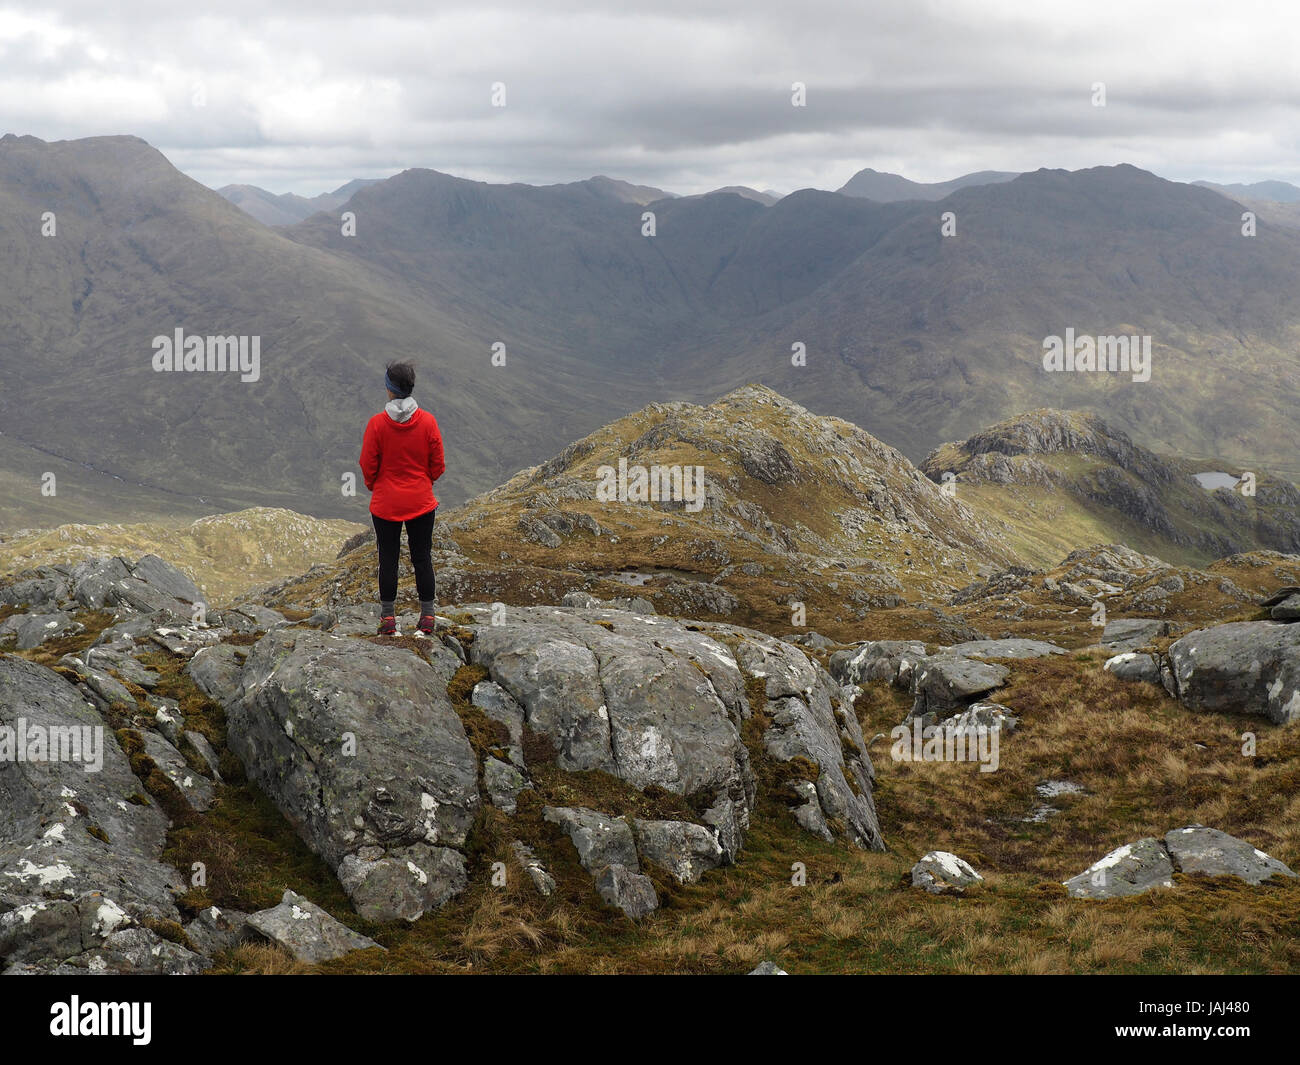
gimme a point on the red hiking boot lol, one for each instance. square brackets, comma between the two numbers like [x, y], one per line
[428, 625]
[388, 626]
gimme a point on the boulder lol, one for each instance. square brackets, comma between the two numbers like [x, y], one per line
[1127, 870]
[404, 883]
[767, 968]
[1247, 667]
[31, 630]
[600, 840]
[684, 849]
[306, 931]
[1131, 634]
[215, 931]
[196, 789]
[810, 719]
[503, 783]
[891, 661]
[216, 671]
[630, 891]
[1209, 852]
[945, 683]
[943, 873]
[356, 743]
[635, 695]
[73, 824]
[1135, 665]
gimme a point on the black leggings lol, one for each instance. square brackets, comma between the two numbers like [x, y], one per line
[419, 536]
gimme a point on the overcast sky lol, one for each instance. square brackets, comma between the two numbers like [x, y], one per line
[301, 96]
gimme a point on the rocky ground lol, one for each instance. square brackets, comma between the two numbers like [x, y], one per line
[626, 751]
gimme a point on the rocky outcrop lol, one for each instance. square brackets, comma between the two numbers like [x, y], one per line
[306, 931]
[943, 873]
[1148, 863]
[80, 848]
[360, 748]
[1247, 667]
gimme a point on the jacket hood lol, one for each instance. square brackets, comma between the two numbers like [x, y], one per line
[401, 410]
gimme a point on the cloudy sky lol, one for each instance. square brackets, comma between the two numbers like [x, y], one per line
[688, 96]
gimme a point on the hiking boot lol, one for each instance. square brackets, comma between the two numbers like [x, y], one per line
[388, 626]
[428, 625]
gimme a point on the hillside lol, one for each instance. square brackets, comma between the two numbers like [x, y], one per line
[886, 188]
[227, 555]
[916, 337]
[796, 508]
[283, 209]
[1063, 478]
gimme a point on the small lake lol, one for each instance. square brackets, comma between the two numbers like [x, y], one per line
[1211, 481]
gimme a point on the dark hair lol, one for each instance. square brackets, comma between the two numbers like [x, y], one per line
[403, 375]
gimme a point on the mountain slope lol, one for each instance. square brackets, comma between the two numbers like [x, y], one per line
[886, 188]
[1060, 479]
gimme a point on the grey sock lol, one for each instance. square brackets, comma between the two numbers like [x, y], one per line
[428, 606]
[387, 610]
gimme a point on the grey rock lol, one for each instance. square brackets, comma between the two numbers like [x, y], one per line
[947, 683]
[1208, 851]
[252, 617]
[48, 855]
[108, 688]
[630, 891]
[1247, 667]
[810, 720]
[356, 743]
[130, 951]
[306, 931]
[684, 849]
[185, 641]
[599, 839]
[215, 931]
[891, 661]
[216, 671]
[31, 630]
[503, 783]
[1286, 610]
[92, 582]
[1132, 634]
[532, 865]
[402, 884]
[200, 743]
[169, 719]
[984, 715]
[943, 873]
[1127, 870]
[767, 968]
[1010, 648]
[196, 789]
[1135, 665]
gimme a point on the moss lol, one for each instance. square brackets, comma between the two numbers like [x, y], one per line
[98, 833]
[168, 930]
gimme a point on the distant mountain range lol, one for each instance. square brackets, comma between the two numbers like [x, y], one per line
[918, 337]
[1273, 191]
[887, 188]
[286, 208]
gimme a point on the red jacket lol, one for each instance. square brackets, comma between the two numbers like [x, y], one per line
[400, 461]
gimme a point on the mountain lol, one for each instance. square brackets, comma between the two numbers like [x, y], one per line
[226, 555]
[1272, 191]
[917, 337]
[886, 188]
[765, 198]
[284, 209]
[1062, 478]
[794, 507]
[140, 251]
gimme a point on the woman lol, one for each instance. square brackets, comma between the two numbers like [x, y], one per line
[401, 457]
